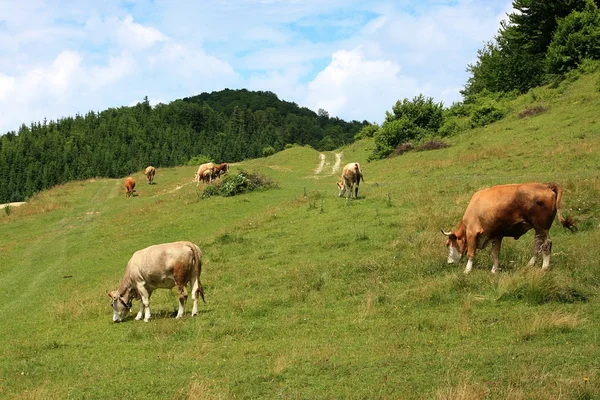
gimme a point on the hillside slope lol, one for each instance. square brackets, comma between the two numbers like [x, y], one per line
[314, 296]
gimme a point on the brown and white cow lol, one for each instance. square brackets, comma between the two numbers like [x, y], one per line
[351, 175]
[160, 266]
[507, 211]
[201, 174]
[150, 172]
[129, 186]
[221, 169]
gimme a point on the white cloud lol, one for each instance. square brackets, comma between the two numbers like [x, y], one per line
[138, 36]
[353, 87]
[7, 86]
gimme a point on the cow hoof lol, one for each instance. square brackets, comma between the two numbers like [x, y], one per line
[146, 319]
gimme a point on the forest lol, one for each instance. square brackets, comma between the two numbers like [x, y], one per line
[224, 126]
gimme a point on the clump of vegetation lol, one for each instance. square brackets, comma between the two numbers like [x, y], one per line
[242, 182]
[539, 287]
[199, 160]
[532, 111]
[432, 145]
[7, 209]
[403, 148]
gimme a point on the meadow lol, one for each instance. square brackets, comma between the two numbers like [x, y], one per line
[311, 296]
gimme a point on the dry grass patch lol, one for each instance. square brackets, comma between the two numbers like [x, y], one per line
[463, 391]
[545, 323]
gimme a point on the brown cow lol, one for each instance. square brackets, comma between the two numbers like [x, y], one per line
[150, 172]
[221, 169]
[129, 186]
[507, 211]
[351, 175]
[159, 266]
[200, 174]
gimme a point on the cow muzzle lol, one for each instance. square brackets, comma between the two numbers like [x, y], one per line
[453, 255]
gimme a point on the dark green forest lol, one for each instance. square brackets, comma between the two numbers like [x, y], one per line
[225, 126]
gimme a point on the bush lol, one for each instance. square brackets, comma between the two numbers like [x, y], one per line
[403, 148]
[487, 112]
[199, 160]
[268, 151]
[432, 145]
[532, 111]
[454, 124]
[367, 132]
[242, 182]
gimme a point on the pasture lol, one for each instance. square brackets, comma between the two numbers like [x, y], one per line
[314, 296]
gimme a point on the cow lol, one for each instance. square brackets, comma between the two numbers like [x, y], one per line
[507, 211]
[160, 266]
[201, 170]
[150, 172]
[221, 169]
[208, 175]
[351, 175]
[129, 186]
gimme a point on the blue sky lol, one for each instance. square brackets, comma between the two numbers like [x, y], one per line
[354, 59]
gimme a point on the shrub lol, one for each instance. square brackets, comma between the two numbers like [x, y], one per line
[487, 112]
[268, 151]
[199, 160]
[432, 145]
[242, 182]
[454, 124]
[367, 132]
[403, 148]
[532, 111]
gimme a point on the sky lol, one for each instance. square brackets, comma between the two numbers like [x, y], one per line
[354, 59]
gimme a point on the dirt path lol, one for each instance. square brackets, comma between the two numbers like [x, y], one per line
[321, 164]
[16, 204]
[338, 163]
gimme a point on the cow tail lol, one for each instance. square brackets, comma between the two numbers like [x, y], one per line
[565, 222]
[197, 254]
[359, 173]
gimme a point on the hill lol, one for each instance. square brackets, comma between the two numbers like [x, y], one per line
[314, 296]
[230, 125]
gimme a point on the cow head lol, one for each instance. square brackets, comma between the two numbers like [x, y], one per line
[457, 246]
[120, 307]
[342, 188]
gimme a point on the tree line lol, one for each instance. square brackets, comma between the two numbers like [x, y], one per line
[225, 126]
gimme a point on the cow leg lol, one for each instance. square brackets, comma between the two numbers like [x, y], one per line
[183, 295]
[356, 191]
[538, 241]
[471, 247]
[145, 295]
[195, 292]
[496, 243]
[140, 313]
[546, 249]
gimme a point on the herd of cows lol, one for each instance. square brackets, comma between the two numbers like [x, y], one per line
[491, 215]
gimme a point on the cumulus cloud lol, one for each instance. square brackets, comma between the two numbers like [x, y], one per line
[354, 87]
[138, 36]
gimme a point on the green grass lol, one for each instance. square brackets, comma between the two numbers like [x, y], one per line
[314, 296]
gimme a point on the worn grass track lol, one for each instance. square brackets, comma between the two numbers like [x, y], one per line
[313, 296]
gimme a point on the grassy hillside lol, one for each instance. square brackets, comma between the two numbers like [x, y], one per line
[313, 296]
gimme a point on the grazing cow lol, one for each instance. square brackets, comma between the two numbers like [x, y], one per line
[221, 169]
[201, 170]
[150, 172]
[351, 175]
[507, 211]
[159, 266]
[129, 186]
[208, 175]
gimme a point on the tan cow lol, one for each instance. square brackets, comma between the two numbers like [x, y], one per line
[200, 174]
[150, 172]
[507, 211]
[221, 169]
[129, 186]
[351, 175]
[160, 266]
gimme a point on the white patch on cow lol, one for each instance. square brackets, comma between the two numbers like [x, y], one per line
[453, 255]
[469, 266]
[545, 261]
